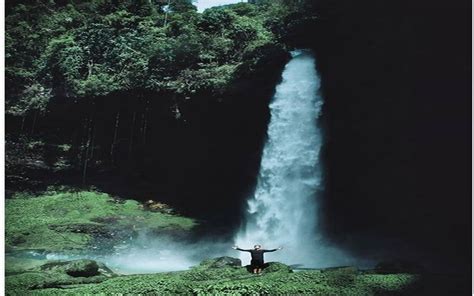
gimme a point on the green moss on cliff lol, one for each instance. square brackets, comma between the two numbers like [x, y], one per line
[70, 220]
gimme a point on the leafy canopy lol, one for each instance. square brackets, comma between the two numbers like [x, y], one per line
[78, 49]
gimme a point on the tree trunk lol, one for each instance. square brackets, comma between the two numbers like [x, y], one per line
[90, 66]
[89, 141]
[114, 141]
[34, 122]
[144, 128]
[131, 134]
[82, 143]
[23, 123]
[93, 143]
[86, 158]
[145, 123]
[142, 122]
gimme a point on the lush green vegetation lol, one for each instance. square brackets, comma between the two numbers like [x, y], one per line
[59, 221]
[68, 221]
[72, 66]
[205, 279]
[92, 48]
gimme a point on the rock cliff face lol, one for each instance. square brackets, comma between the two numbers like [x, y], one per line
[396, 86]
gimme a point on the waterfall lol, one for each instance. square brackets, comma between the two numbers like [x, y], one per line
[283, 211]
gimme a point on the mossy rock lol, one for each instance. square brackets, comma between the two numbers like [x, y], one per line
[221, 262]
[41, 280]
[76, 268]
[83, 268]
[14, 265]
[59, 274]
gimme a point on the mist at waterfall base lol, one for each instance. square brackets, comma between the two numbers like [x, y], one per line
[150, 253]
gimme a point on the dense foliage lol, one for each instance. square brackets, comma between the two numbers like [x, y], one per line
[87, 81]
[92, 48]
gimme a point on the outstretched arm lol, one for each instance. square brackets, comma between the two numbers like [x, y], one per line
[239, 249]
[272, 250]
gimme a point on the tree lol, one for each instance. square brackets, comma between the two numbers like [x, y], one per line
[34, 99]
[180, 6]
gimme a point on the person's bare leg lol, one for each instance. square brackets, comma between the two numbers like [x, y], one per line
[259, 271]
[255, 270]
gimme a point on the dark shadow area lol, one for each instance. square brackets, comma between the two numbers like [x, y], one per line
[396, 78]
[435, 284]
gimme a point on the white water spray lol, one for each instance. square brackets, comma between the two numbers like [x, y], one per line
[283, 210]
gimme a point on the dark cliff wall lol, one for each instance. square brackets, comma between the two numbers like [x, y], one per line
[396, 79]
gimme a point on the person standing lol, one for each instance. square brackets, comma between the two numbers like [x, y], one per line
[257, 262]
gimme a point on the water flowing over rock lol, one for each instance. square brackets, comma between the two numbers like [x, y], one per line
[283, 210]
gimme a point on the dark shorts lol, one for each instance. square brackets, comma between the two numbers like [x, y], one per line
[256, 263]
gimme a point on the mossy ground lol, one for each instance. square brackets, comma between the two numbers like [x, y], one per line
[202, 280]
[14, 265]
[70, 220]
[237, 281]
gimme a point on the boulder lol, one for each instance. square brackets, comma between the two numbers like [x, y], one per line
[104, 270]
[221, 262]
[60, 274]
[82, 268]
[77, 268]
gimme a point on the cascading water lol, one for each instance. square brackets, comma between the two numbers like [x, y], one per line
[283, 210]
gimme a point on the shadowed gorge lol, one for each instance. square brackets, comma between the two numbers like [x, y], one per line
[396, 85]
